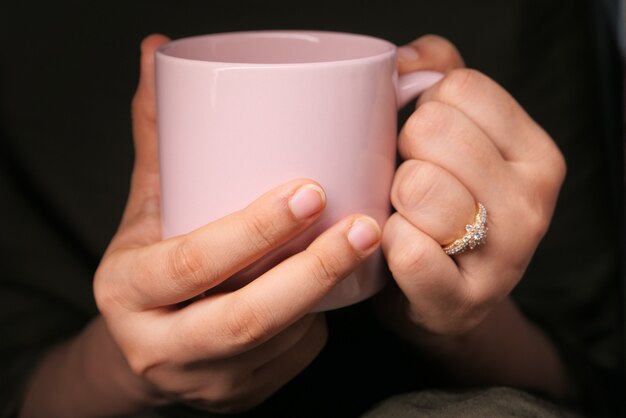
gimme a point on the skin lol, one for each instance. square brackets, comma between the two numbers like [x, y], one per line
[155, 342]
[223, 353]
[469, 141]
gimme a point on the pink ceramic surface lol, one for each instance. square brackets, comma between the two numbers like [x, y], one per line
[241, 113]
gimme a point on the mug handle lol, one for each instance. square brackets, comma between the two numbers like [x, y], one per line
[411, 85]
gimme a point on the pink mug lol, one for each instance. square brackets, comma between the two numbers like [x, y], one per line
[241, 113]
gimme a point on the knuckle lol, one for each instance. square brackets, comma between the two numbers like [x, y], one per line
[246, 325]
[142, 364]
[188, 264]
[430, 119]
[445, 49]
[326, 268]
[408, 260]
[109, 295]
[414, 182]
[460, 83]
[262, 231]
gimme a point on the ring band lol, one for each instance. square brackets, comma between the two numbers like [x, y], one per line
[476, 234]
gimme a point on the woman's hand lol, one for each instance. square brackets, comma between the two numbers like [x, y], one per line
[223, 352]
[165, 343]
[470, 142]
[467, 142]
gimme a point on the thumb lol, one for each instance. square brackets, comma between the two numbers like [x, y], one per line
[429, 52]
[144, 109]
[141, 220]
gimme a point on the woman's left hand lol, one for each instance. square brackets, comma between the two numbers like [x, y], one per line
[468, 142]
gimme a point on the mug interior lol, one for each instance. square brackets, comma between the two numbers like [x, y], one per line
[277, 47]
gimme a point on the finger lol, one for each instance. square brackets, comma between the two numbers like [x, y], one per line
[144, 106]
[241, 320]
[241, 392]
[143, 203]
[226, 375]
[180, 268]
[429, 52]
[492, 109]
[439, 292]
[446, 137]
[282, 342]
[443, 135]
[275, 374]
[432, 200]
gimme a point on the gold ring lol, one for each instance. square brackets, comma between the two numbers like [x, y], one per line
[476, 234]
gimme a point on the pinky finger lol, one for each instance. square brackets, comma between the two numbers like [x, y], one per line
[430, 279]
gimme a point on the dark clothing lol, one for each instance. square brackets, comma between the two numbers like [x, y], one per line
[67, 75]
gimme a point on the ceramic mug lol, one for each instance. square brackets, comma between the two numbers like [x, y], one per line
[241, 113]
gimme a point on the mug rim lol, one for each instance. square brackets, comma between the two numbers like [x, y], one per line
[387, 48]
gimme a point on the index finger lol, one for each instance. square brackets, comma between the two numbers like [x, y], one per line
[495, 112]
[224, 325]
[180, 268]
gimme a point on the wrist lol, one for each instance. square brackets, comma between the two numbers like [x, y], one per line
[86, 376]
[504, 349]
[108, 372]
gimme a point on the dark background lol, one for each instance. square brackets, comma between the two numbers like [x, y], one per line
[67, 74]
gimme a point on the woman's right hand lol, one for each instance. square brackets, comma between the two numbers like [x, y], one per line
[228, 351]
[157, 340]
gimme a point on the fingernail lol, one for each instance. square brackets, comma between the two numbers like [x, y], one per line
[407, 53]
[307, 201]
[364, 233]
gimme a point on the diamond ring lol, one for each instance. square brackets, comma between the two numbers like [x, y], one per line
[476, 234]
